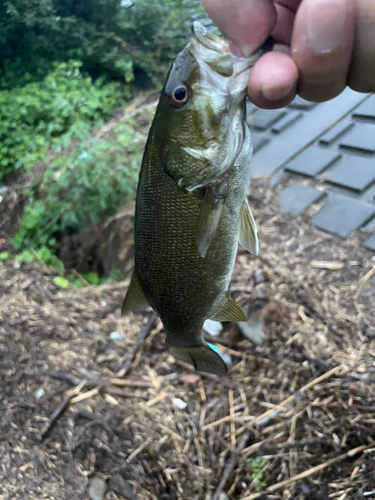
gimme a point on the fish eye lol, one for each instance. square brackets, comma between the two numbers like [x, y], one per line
[179, 96]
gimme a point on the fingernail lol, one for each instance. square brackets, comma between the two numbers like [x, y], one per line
[243, 51]
[326, 21]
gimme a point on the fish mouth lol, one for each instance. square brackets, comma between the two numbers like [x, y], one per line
[215, 52]
[209, 40]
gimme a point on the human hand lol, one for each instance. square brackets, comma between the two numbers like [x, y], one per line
[321, 46]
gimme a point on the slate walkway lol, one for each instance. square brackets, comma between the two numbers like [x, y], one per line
[332, 143]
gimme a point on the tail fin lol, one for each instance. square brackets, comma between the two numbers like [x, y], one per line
[203, 358]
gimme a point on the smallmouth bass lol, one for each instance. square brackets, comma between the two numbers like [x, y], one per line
[191, 207]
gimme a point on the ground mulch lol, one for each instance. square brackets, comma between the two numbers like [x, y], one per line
[294, 418]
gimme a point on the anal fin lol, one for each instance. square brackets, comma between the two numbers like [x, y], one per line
[135, 298]
[248, 230]
[208, 220]
[228, 310]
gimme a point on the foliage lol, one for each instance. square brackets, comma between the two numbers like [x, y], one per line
[112, 37]
[82, 187]
[46, 256]
[257, 474]
[61, 282]
[43, 255]
[49, 105]
[61, 107]
[83, 279]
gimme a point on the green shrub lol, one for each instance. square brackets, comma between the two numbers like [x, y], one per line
[89, 183]
[60, 108]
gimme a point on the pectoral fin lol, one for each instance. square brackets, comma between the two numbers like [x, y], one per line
[248, 230]
[135, 298]
[228, 310]
[202, 357]
[208, 220]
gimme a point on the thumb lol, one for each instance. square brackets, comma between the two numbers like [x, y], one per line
[245, 23]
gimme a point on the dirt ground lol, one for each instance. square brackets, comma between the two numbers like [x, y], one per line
[173, 434]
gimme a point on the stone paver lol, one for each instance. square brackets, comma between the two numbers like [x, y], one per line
[286, 145]
[370, 243]
[297, 197]
[286, 121]
[353, 173]
[263, 118]
[259, 140]
[361, 139]
[332, 144]
[369, 195]
[312, 161]
[343, 215]
[366, 110]
[338, 130]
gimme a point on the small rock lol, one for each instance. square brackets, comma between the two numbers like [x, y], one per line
[305, 489]
[259, 277]
[97, 489]
[212, 327]
[39, 393]
[121, 487]
[252, 329]
[117, 336]
[261, 291]
[190, 378]
[179, 403]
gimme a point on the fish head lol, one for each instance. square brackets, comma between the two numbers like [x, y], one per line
[205, 89]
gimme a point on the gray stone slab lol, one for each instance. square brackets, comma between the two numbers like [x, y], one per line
[286, 146]
[312, 161]
[259, 140]
[370, 243]
[369, 195]
[361, 139]
[274, 180]
[286, 121]
[353, 173]
[366, 110]
[343, 215]
[297, 197]
[264, 118]
[337, 131]
[299, 103]
[370, 225]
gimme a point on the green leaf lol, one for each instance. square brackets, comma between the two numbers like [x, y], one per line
[61, 282]
[4, 255]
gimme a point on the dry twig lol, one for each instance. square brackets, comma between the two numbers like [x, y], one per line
[307, 473]
[143, 336]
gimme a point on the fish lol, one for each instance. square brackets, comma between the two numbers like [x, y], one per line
[191, 203]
